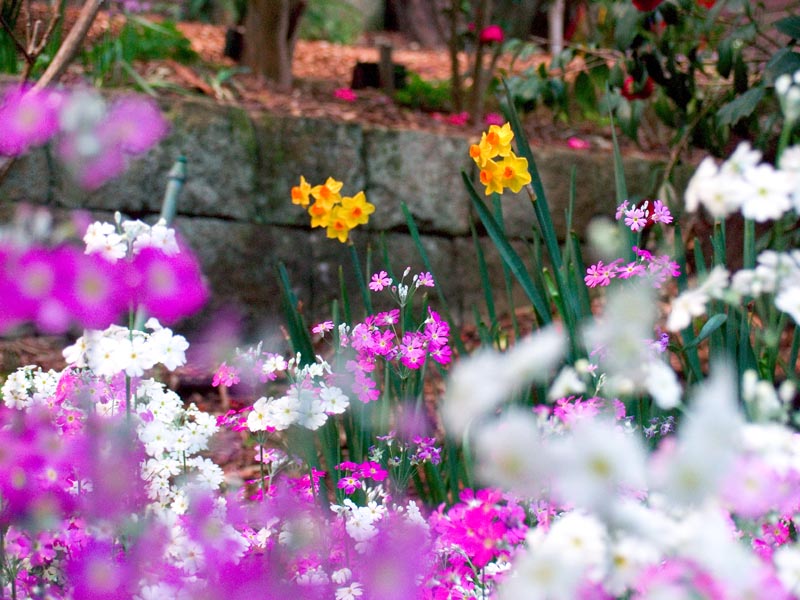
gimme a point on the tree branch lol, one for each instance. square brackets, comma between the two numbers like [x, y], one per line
[71, 44]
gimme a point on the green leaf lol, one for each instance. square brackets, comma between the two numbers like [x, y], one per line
[627, 28]
[789, 26]
[585, 94]
[508, 254]
[783, 61]
[741, 107]
[725, 57]
[713, 323]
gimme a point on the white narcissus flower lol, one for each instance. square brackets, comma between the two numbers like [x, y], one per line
[596, 461]
[511, 455]
[769, 198]
[788, 300]
[662, 384]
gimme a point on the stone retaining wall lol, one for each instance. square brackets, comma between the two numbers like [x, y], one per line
[235, 208]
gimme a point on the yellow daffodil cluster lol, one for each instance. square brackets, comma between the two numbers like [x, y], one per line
[330, 210]
[500, 167]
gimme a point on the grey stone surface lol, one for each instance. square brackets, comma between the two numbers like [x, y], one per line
[423, 171]
[235, 209]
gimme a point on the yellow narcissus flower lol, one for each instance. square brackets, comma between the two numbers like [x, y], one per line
[328, 193]
[338, 226]
[490, 177]
[497, 141]
[300, 193]
[513, 172]
[330, 210]
[320, 214]
[356, 210]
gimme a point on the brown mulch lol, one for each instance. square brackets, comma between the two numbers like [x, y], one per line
[320, 68]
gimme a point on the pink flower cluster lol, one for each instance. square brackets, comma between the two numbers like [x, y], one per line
[358, 473]
[657, 268]
[94, 141]
[56, 287]
[638, 217]
[484, 527]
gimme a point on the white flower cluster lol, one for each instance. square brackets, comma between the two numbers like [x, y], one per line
[487, 378]
[743, 183]
[626, 512]
[173, 436]
[361, 521]
[308, 402]
[776, 273]
[29, 385]
[127, 238]
[119, 349]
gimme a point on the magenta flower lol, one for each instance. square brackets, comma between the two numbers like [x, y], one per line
[578, 144]
[322, 328]
[494, 119]
[91, 289]
[380, 281]
[660, 213]
[27, 118]
[600, 274]
[168, 287]
[491, 34]
[346, 94]
[133, 124]
[225, 376]
[349, 484]
[372, 470]
[425, 279]
[636, 219]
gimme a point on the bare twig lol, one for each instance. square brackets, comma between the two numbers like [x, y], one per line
[69, 47]
[17, 42]
[35, 48]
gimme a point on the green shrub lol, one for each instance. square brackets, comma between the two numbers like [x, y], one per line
[335, 21]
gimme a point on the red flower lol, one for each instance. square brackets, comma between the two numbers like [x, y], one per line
[646, 5]
[707, 3]
[630, 92]
[492, 33]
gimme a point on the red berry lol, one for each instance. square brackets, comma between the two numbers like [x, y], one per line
[707, 3]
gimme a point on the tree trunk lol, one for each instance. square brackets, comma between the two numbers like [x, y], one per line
[271, 28]
[424, 21]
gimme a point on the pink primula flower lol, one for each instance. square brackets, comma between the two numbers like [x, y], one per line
[27, 119]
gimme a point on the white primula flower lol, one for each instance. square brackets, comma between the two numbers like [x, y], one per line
[334, 401]
[168, 349]
[744, 158]
[350, 592]
[259, 417]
